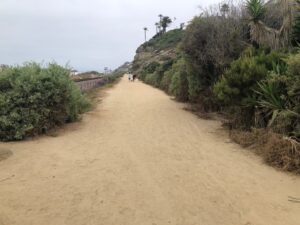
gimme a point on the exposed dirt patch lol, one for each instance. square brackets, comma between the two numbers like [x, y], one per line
[5, 153]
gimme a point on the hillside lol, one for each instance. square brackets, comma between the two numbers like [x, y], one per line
[161, 48]
[217, 66]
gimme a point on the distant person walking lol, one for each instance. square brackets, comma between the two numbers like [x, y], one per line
[130, 77]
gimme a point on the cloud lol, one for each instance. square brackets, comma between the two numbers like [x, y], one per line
[90, 34]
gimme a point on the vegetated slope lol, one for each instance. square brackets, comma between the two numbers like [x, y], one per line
[159, 49]
[140, 159]
[242, 69]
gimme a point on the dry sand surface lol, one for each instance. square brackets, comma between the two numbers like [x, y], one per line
[140, 159]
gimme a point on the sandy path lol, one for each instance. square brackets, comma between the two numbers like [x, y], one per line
[142, 161]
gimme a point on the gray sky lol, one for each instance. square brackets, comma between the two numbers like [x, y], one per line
[89, 34]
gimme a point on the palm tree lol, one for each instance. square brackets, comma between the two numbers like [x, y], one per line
[157, 27]
[182, 26]
[224, 9]
[145, 30]
[265, 35]
[165, 22]
[160, 17]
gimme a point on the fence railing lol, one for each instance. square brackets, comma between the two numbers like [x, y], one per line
[90, 83]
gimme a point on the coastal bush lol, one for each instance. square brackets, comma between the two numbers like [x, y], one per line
[34, 99]
[238, 81]
[179, 82]
[167, 40]
[210, 44]
[160, 71]
[166, 81]
[148, 69]
[151, 79]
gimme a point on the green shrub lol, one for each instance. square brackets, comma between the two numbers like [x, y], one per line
[179, 83]
[153, 73]
[293, 89]
[151, 79]
[294, 73]
[165, 66]
[294, 65]
[238, 82]
[278, 97]
[195, 84]
[167, 40]
[238, 89]
[148, 69]
[111, 78]
[210, 44]
[33, 100]
[166, 81]
[272, 103]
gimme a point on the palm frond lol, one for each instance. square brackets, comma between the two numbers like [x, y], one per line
[256, 9]
[270, 96]
[272, 102]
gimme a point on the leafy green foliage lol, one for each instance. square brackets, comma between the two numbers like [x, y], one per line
[166, 81]
[111, 78]
[149, 69]
[195, 83]
[179, 82]
[165, 22]
[210, 44]
[154, 72]
[294, 65]
[167, 40]
[165, 66]
[256, 9]
[33, 100]
[275, 103]
[255, 87]
[151, 79]
[272, 99]
[237, 84]
[264, 86]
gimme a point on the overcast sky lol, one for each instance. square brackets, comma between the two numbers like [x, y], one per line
[89, 34]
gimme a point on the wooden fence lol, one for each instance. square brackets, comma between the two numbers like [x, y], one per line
[90, 83]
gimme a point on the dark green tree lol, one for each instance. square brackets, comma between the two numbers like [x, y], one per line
[224, 9]
[157, 26]
[165, 22]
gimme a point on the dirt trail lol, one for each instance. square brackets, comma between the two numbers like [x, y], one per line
[140, 159]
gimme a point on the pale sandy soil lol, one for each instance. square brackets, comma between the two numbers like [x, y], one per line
[140, 159]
